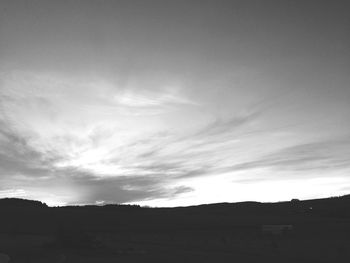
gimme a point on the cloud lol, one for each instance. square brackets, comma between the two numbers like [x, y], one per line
[102, 165]
[66, 142]
[198, 153]
[30, 177]
[151, 99]
[123, 189]
[332, 154]
[27, 172]
[17, 156]
[225, 126]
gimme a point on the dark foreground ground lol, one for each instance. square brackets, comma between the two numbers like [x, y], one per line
[32, 232]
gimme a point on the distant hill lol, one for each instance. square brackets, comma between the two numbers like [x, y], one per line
[18, 202]
[34, 216]
[338, 205]
[223, 232]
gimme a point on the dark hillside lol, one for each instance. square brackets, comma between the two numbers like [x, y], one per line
[319, 231]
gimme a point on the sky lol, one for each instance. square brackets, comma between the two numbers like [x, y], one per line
[174, 103]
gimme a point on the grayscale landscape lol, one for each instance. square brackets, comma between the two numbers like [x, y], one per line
[174, 131]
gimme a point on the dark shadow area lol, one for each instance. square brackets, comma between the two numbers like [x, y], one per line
[296, 231]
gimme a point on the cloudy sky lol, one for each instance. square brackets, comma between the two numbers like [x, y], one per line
[168, 103]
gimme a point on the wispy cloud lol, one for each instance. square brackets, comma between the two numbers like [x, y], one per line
[197, 153]
[226, 126]
[19, 157]
[151, 99]
[331, 154]
[44, 140]
[99, 165]
[31, 174]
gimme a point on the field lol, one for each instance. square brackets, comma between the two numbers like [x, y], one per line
[219, 232]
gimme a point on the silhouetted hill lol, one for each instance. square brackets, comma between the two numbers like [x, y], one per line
[32, 216]
[330, 203]
[222, 231]
[20, 203]
[333, 206]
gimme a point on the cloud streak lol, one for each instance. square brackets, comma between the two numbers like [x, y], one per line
[151, 99]
[332, 154]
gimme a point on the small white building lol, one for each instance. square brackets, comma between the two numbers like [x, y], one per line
[276, 230]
